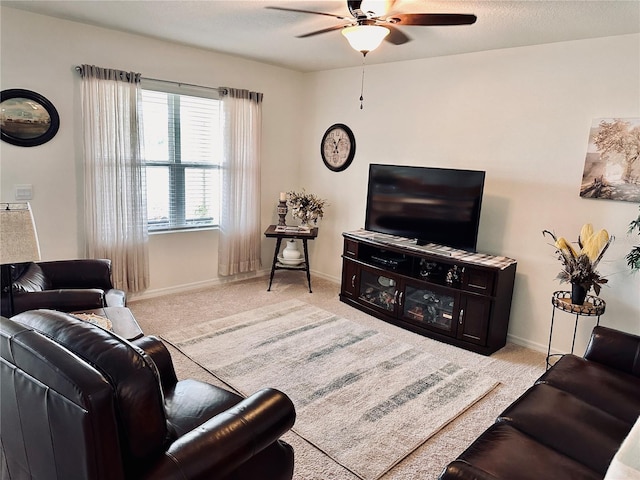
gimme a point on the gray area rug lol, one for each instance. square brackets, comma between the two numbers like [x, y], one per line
[361, 397]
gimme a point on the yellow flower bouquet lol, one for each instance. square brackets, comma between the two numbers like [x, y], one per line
[579, 264]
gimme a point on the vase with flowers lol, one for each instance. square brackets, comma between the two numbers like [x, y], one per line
[306, 207]
[579, 265]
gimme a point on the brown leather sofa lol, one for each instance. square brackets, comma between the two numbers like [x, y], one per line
[64, 285]
[79, 402]
[569, 424]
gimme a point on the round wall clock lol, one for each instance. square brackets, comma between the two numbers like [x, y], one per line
[338, 147]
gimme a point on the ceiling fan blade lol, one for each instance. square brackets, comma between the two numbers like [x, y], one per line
[324, 30]
[284, 9]
[395, 36]
[432, 19]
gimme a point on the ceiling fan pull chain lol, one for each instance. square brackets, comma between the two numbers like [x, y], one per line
[362, 84]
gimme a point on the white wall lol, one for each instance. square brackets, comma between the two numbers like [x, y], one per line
[521, 114]
[44, 59]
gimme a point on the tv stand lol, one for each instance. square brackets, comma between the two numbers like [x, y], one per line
[451, 295]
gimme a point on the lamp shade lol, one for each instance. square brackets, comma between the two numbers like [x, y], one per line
[18, 237]
[365, 38]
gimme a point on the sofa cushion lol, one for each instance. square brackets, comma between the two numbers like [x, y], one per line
[605, 388]
[503, 452]
[568, 425]
[30, 278]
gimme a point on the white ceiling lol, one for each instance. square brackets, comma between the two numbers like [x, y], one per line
[247, 29]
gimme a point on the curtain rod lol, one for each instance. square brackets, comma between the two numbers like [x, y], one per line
[217, 89]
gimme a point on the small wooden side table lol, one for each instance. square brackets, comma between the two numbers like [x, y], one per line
[123, 321]
[593, 306]
[270, 232]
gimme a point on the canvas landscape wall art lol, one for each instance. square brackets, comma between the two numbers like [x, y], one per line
[612, 165]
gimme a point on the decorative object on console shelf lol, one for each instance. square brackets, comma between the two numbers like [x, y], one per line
[306, 206]
[579, 266]
[28, 119]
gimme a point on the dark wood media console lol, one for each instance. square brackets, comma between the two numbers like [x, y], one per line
[447, 294]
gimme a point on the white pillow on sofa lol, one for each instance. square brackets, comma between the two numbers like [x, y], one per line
[626, 462]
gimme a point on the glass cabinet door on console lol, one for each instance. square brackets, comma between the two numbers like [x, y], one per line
[429, 307]
[378, 290]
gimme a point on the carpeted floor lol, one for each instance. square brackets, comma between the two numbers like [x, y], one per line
[362, 397]
[514, 367]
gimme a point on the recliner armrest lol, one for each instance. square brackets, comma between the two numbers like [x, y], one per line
[62, 300]
[158, 352]
[615, 349]
[227, 440]
[81, 273]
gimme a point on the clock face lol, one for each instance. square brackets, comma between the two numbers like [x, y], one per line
[338, 147]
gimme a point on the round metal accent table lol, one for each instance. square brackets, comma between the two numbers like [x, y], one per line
[592, 307]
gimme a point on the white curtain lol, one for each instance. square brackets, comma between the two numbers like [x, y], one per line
[115, 190]
[240, 235]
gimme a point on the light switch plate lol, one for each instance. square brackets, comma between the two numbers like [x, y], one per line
[24, 192]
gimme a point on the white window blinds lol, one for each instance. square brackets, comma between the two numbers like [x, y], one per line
[182, 152]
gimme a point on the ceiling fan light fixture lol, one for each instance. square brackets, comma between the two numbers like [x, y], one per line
[377, 8]
[365, 38]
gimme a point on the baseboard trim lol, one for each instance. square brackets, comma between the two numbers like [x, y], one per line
[188, 287]
[523, 342]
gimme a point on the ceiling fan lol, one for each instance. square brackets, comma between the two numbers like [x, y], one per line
[370, 23]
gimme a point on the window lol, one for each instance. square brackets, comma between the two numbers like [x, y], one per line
[182, 152]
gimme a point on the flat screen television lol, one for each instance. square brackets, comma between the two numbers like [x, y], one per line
[432, 205]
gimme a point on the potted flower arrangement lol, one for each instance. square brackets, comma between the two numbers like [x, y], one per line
[306, 206]
[579, 265]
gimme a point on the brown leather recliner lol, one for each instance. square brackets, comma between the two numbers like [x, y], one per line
[64, 285]
[79, 402]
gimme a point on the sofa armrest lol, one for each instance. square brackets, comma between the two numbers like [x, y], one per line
[615, 349]
[227, 440]
[461, 470]
[158, 352]
[61, 300]
[82, 273]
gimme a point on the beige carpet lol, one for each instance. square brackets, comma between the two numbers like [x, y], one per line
[362, 397]
[514, 367]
